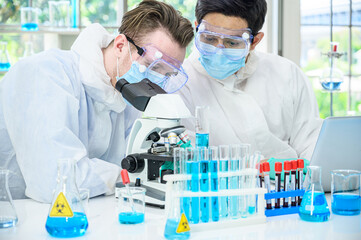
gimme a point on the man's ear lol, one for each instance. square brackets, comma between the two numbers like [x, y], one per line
[119, 42]
[256, 40]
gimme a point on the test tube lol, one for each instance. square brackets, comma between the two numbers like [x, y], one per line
[223, 181]
[195, 186]
[202, 126]
[244, 180]
[293, 180]
[252, 202]
[300, 166]
[179, 167]
[214, 158]
[278, 170]
[286, 180]
[188, 170]
[204, 169]
[267, 183]
[234, 181]
[260, 172]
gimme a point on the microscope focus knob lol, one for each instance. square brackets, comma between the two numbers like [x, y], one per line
[132, 163]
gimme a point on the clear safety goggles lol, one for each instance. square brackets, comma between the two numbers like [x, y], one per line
[160, 68]
[210, 39]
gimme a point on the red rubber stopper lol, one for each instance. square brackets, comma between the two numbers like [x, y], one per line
[294, 164]
[335, 48]
[287, 166]
[125, 176]
[278, 167]
[300, 163]
[266, 167]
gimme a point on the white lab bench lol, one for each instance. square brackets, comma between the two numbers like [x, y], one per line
[103, 225]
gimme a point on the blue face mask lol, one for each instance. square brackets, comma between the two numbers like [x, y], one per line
[220, 66]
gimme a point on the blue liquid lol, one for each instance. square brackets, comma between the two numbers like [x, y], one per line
[319, 212]
[204, 188]
[195, 188]
[331, 86]
[214, 188]
[4, 66]
[202, 139]
[234, 185]
[131, 217]
[251, 210]
[171, 228]
[29, 27]
[223, 184]
[6, 222]
[66, 227]
[186, 200]
[345, 204]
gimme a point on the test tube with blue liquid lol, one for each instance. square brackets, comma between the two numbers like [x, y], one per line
[223, 181]
[243, 164]
[252, 199]
[204, 183]
[187, 169]
[213, 168]
[234, 181]
[193, 166]
[202, 126]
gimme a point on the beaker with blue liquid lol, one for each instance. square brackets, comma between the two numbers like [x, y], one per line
[345, 192]
[66, 216]
[4, 57]
[29, 18]
[131, 205]
[314, 206]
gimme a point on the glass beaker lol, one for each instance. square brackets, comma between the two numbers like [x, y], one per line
[345, 192]
[28, 49]
[177, 226]
[131, 212]
[4, 57]
[8, 217]
[314, 206]
[29, 19]
[67, 216]
[59, 16]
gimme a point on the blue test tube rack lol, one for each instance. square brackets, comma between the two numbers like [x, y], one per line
[282, 210]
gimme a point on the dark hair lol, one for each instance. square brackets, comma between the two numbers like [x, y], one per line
[253, 11]
[151, 15]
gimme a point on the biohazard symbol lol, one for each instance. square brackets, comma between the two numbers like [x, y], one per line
[183, 225]
[61, 207]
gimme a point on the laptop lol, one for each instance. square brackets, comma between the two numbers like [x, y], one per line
[338, 147]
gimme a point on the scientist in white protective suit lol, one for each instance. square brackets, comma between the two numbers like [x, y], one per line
[63, 104]
[257, 98]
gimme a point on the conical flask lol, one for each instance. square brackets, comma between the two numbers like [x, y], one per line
[314, 206]
[8, 217]
[177, 226]
[28, 49]
[4, 57]
[66, 216]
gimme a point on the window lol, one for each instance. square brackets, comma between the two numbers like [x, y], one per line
[317, 30]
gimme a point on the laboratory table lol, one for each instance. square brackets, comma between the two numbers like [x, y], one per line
[103, 225]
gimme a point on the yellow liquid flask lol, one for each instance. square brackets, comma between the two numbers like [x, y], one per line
[8, 217]
[66, 217]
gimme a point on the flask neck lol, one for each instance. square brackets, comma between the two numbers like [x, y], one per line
[66, 174]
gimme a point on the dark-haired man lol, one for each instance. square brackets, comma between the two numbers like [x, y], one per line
[63, 104]
[257, 98]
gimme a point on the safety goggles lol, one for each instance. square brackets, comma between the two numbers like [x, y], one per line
[234, 44]
[160, 68]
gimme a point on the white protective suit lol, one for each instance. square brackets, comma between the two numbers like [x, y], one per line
[269, 104]
[61, 104]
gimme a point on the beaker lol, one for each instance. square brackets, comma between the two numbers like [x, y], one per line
[59, 15]
[8, 217]
[314, 206]
[66, 216]
[4, 57]
[28, 49]
[177, 226]
[131, 212]
[29, 19]
[345, 192]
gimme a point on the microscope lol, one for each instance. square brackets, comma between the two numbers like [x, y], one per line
[153, 137]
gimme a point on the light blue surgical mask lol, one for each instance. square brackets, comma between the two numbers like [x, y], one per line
[219, 65]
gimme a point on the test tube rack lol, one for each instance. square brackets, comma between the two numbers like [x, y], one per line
[283, 210]
[256, 218]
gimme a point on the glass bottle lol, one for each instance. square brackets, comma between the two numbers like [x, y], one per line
[332, 77]
[4, 57]
[66, 216]
[28, 49]
[8, 217]
[177, 226]
[314, 206]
